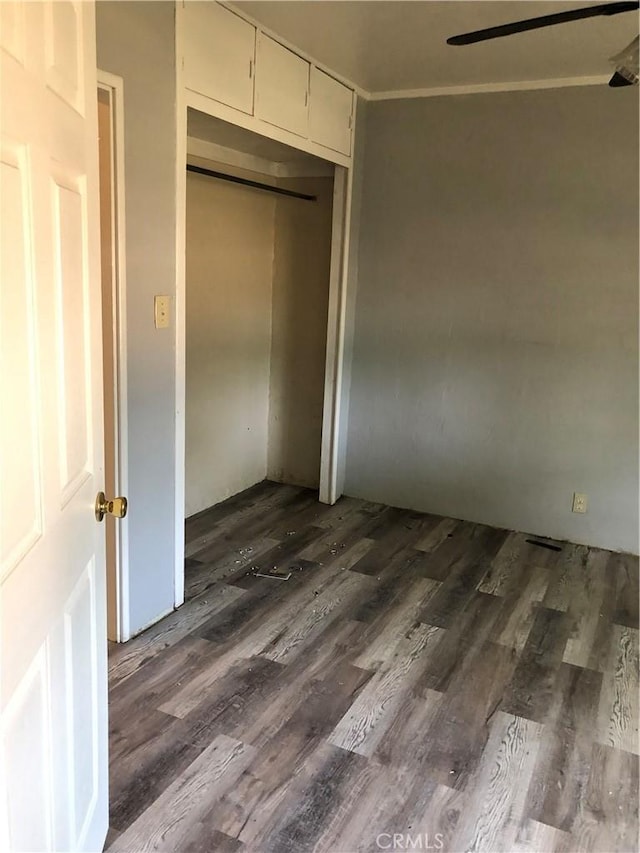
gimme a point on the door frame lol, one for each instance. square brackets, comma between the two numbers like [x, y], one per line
[332, 422]
[114, 85]
[330, 481]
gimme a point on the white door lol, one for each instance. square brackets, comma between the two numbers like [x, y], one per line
[53, 695]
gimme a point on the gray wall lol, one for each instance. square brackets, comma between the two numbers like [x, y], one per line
[495, 353]
[229, 270]
[136, 41]
[301, 266]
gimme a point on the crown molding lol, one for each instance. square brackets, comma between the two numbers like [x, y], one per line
[488, 88]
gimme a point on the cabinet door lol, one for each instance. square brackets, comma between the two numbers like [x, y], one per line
[282, 86]
[219, 54]
[330, 112]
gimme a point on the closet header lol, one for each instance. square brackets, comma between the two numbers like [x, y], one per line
[247, 183]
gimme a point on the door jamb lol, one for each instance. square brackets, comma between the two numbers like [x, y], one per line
[330, 487]
[115, 86]
[180, 321]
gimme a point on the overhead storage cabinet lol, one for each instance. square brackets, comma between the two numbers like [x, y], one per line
[233, 63]
[330, 113]
[220, 56]
[282, 86]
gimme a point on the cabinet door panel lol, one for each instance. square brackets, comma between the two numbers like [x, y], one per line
[219, 54]
[330, 112]
[282, 86]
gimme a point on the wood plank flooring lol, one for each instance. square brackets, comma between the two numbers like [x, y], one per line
[417, 681]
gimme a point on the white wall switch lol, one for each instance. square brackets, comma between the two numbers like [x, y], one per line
[579, 502]
[161, 311]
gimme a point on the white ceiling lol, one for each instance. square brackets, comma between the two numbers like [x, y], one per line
[388, 46]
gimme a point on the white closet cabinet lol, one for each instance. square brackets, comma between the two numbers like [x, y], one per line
[282, 86]
[219, 62]
[330, 112]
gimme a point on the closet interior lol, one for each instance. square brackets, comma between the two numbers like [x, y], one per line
[257, 291]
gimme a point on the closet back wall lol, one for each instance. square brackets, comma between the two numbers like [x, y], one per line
[229, 260]
[301, 268]
[257, 299]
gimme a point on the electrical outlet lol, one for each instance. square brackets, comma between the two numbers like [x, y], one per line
[161, 312]
[579, 502]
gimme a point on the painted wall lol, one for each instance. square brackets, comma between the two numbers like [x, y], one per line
[136, 41]
[298, 350]
[496, 348]
[230, 250]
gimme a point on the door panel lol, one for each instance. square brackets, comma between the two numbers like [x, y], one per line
[80, 635]
[219, 54]
[63, 48]
[71, 314]
[53, 695]
[330, 112]
[28, 720]
[21, 518]
[12, 29]
[282, 86]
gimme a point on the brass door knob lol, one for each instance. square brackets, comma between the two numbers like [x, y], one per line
[116, 507]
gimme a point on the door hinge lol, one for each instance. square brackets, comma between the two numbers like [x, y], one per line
[250, 69]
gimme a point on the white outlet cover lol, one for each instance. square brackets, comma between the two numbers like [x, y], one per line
[161, 312]
[579, 502]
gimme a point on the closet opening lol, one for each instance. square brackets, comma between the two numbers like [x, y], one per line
[259, 224]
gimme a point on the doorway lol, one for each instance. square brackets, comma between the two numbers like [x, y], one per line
[259, 219]
[112, 244]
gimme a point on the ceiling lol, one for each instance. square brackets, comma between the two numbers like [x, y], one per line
[386, 46]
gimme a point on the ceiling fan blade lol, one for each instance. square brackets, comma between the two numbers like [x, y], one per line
[544, 21]
[618, 80]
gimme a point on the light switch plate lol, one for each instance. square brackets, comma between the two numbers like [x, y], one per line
[161, 311]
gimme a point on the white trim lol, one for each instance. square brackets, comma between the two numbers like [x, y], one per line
[341, 241]
[115, 86]
[335, 336]
[232, 157]
[180, 315]
[487, 88]
[341, 330]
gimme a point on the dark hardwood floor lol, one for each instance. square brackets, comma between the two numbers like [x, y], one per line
[416, 681]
